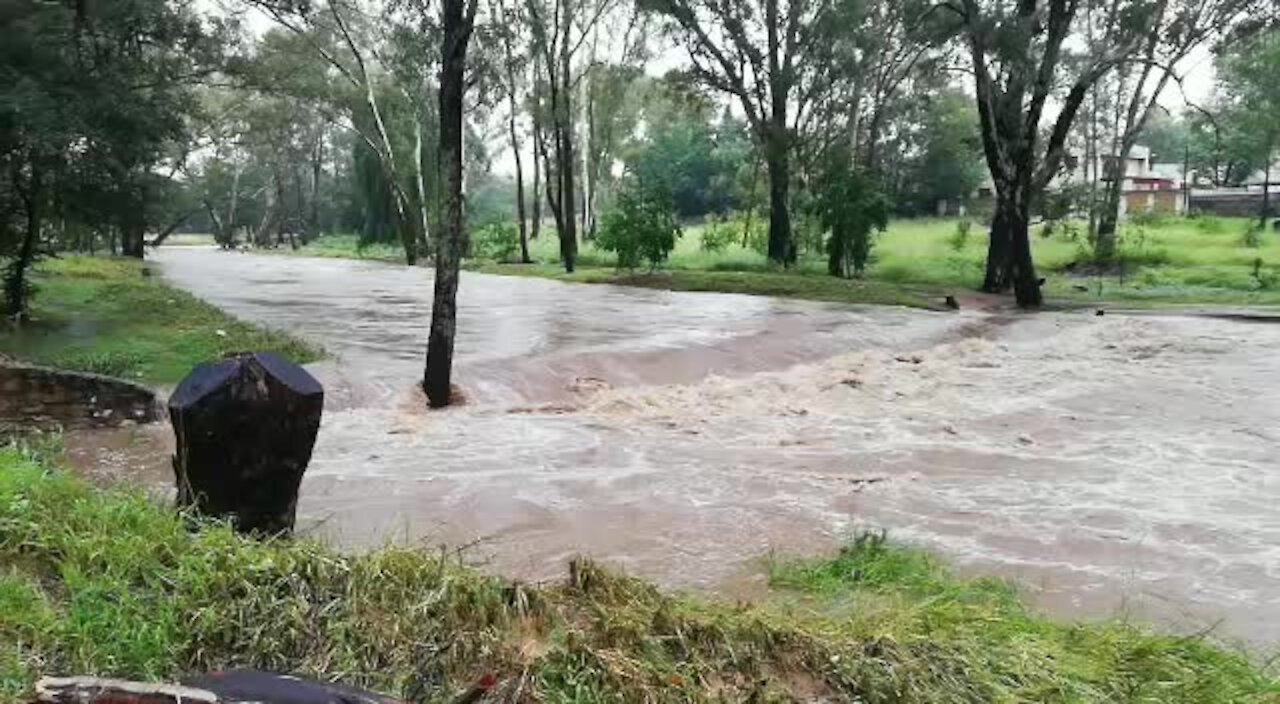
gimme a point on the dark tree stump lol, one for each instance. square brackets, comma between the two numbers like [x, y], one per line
[245, 429]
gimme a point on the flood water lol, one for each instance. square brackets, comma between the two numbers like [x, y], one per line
[1125, 464]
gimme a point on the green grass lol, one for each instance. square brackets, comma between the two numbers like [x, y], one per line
[347, 247]
[106, 582]
[102, 315]
[1167, 261]
[760, 283]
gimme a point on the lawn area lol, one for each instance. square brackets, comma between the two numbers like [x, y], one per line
[107, 582]
[1165, 261]
[103, 315]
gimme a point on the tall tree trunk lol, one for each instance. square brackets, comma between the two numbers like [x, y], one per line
[1265, 215]
[424, 227]
[219, 230]
[231, 207]
[588, 153]
[317, 171]
[535, 227]
[564, 140]
[999, 277]
[133, 232]
[779, 168]
[15, 283]
[1104, 247]
[777, 145]
[520, 206]
[1009, 262]
[457, 18]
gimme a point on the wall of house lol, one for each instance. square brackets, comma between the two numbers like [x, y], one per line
[1238, 204]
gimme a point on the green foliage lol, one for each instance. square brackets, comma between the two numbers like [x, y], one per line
[695, 160]
[849, 204]
[1150, 218]
[497, 241]
[109, 582]
[641, 227]
[1209, 224]
[951, 167]
[85, 116]
[1252, 237]
[718, 234]
[1263, 278]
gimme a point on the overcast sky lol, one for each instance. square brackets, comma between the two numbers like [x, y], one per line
[1197, 71]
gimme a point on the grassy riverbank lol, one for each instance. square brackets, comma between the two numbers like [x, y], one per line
[107, 582]
[1165, 261]
[104, 315]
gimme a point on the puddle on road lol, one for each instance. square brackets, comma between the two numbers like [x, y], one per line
[1115, 464]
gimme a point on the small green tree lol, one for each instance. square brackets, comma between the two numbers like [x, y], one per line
[642, 226]
[850, 205]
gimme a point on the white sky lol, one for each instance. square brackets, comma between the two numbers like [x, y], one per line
[1197, 71]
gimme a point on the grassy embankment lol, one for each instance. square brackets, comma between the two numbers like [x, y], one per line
[108, 582]
[103, 315]
[1170, 261]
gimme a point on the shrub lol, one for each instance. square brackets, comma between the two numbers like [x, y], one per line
[641, 227]
[851, 206]
[1149, 218]
[1210, 224]
[718, 234]
[1252, 236]
[498, 241]
[960, 237]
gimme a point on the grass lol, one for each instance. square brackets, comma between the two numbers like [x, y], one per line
[1166, 261]
[103, 315]
[109, 583]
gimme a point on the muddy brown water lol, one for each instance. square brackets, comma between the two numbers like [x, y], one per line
[1117, 465]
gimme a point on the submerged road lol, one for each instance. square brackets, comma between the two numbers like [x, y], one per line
[1122, 464]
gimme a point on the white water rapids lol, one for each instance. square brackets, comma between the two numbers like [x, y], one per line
[1117, 464]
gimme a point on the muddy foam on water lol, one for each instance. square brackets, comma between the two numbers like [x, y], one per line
[1115, 465]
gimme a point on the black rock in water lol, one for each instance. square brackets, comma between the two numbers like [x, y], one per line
[245, 429]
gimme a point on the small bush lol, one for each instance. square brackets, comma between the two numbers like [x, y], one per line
[960, 238]
[642, 227]
[1210, 224]
[1150, 218]
[718, 234]
[1252, 236]
[498, 241]
[851, 206]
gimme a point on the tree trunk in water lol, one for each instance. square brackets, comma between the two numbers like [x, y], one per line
[437, 378]
[779, 217]
[15, 284]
